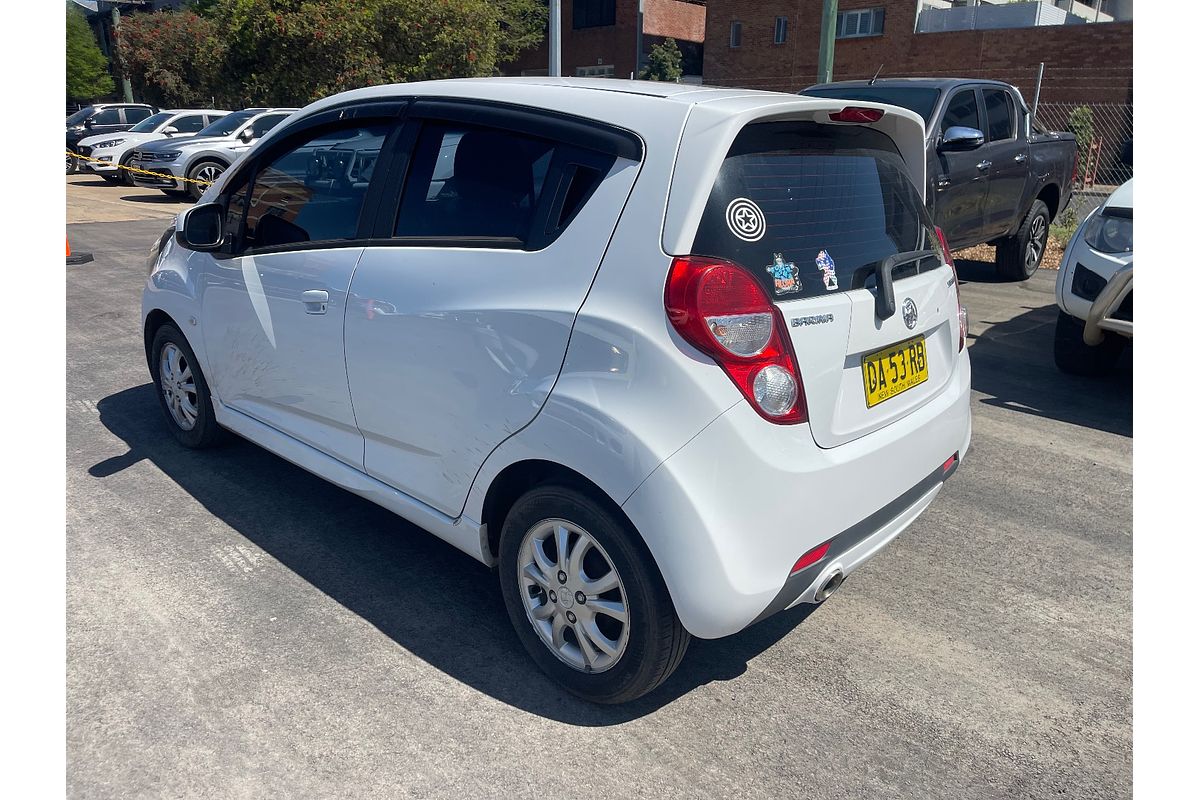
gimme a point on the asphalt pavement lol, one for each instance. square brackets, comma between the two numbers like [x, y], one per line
[238, 628]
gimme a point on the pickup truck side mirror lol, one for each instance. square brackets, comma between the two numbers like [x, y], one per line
[960, 137]
[203, 227]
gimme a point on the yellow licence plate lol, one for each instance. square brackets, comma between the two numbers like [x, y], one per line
[894, 369]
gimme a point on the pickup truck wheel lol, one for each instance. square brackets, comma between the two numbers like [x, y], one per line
[1019, 256]
[585, 597]
[1074, 357]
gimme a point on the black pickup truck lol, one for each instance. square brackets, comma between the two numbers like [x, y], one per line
[993, 175]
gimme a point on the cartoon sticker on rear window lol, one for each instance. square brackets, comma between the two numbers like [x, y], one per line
[828, 270]
[785, 275]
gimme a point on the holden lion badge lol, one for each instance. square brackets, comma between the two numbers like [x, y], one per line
[828, 270]
[785, 275]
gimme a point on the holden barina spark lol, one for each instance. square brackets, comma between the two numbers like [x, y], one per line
[671, 359]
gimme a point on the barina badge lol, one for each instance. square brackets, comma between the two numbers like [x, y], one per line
[785, 275]
[828, 270]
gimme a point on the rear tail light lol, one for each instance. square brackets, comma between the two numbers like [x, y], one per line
[857, 114]
[721, 310]
[811, 557]
[962, 312]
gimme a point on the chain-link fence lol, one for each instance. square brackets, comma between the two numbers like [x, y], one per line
[1101, 132]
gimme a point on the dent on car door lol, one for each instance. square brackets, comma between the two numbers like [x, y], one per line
[961, 184]
[456, 331]
[273, 308]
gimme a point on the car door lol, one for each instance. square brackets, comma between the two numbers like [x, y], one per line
[960, 188]
[273, 305]
[460, 310]
[1008, 152]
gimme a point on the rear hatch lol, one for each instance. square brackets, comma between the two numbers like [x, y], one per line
[813, 211]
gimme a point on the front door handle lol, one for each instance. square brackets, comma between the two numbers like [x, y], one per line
[1020, 158]
[316, 301]
[983, 166]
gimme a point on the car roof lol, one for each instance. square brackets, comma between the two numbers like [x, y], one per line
[916, 83]
[194, 111]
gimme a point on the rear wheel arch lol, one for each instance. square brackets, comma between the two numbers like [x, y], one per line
[1050, 194]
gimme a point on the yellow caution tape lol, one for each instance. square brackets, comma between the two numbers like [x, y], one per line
[140, 171]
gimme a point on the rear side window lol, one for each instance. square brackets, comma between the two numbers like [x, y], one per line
[314, 192]
[812, 209]
[999, 113]
[473, 182]
[962, 110]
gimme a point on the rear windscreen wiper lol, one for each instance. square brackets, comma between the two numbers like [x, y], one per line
[885, 295]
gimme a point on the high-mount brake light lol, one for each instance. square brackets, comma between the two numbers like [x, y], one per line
[722, 311]
[962, 311]
[857, 114]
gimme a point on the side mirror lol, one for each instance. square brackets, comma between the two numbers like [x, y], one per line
[203, 228]
[88, 123]
[960, 137]
[247, 135]
[170, 129]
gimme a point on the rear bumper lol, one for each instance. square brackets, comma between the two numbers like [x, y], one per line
[727, 516]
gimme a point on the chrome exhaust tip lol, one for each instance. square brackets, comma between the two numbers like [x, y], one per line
[830, 586]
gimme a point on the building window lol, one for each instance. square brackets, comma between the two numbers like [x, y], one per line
[598, 71]
[735, 34]
[593, 13]
[780, 30]
[858, 23]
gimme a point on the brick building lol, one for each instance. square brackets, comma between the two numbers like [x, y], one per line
[773, 44]
[599, 37]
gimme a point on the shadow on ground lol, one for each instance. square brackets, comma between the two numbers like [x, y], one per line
[432, 600]
[155, 199]
[1013, 363]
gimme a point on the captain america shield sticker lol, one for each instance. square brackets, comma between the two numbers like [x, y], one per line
[745, 220]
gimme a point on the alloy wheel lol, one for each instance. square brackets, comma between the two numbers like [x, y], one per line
[178, 386]
[1037, 242]
[209, 173]
[573, 596]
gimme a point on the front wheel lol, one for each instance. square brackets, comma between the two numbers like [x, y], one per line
[72, 165]
[1019, 256]
[207, 171]
[1075, 357]
[182, 391]
[585, 597]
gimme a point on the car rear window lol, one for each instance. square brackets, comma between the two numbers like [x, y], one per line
[812, 209]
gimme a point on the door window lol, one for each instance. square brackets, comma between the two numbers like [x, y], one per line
[313, 192]
[962, 110]
[192, 123]
[264, 123]
[473, 182]
[109, 116]
[999, 113]
[136, 114]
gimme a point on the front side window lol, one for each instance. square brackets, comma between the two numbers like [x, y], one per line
[192, 123]
[149, 124]
[593, 13]
[1000, 115]
[264, 123]
[735, 34]
[227, 124]
[962, 110]
[136, 114]
[109, 116]
[859, 23]
[780, 30]
[473, 182]
[313, 192]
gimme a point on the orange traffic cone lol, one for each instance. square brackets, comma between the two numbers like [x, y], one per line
[78, 258]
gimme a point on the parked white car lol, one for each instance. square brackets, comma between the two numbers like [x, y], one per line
[114, 150]
[673, 359]
[189, 167]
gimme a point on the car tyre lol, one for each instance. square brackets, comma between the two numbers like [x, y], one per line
[203, 171]
[182, 390]
[124, 176]
[1019, 256]
[650, 643]
[72, 165]
[1075, 357]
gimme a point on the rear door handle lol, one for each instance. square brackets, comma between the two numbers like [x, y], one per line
[316, 301]
[983, 166]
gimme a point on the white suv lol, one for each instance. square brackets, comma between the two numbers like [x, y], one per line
[673, 359]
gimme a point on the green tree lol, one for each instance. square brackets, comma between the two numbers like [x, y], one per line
[87, 68]
[173, 59]
[663, 63]
[1081, 123]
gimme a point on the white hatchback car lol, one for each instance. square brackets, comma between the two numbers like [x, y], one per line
[674, 359]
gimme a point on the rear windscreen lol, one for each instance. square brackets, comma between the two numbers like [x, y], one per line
[812, 209]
